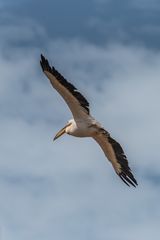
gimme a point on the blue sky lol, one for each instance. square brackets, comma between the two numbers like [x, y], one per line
[67, 189]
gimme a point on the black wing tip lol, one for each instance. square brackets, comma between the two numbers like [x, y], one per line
[44, 64]
[42, 61]
[42, 57]
[46, 67]
[125, 173]
[128, 179]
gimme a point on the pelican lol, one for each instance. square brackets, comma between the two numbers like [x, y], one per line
[84, 125]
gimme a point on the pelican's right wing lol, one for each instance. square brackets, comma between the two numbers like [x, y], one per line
[77, 103]
[116, 156]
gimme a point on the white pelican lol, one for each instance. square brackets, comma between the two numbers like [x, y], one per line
[84, 125]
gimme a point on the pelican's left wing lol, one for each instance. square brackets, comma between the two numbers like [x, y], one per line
[77, 103]
[116, 156]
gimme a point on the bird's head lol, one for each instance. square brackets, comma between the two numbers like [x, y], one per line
[63, 130]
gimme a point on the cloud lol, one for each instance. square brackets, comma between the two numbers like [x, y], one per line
[67, 189]
[95, 21]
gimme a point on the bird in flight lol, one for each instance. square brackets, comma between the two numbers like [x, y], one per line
[84, 125]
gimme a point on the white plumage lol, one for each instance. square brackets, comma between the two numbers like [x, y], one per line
[84, 125]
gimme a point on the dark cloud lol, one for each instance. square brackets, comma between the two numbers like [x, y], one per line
[94, 21]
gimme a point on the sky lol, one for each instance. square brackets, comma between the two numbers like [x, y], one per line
[110, 50]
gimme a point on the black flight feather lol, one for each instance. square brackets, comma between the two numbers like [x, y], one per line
[71, 88]
[125, 174]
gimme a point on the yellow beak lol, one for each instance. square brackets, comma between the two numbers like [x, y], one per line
[61, 132]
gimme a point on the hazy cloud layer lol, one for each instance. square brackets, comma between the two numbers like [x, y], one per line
[50, 190]
[67, 189]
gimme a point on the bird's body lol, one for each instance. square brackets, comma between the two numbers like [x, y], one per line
[84, 125]
[79, 128]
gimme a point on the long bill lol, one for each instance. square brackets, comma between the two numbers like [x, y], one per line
[61, 132]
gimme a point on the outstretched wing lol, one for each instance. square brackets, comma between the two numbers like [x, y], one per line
[77, 103]
[116, 156]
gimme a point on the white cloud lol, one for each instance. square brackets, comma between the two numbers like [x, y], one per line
[65, 189]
